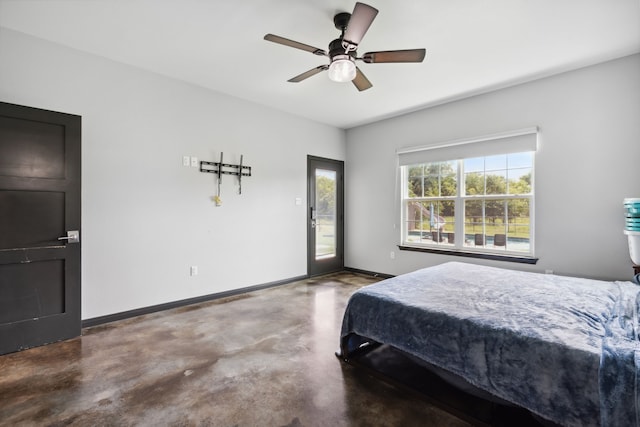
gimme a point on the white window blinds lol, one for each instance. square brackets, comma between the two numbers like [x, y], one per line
[500, 143]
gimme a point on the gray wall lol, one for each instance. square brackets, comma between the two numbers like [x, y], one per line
[588, 161]
[146, 218]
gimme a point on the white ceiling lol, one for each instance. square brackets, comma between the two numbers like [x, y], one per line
[472, 45]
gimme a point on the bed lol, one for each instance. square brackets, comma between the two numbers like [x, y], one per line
[564, 348]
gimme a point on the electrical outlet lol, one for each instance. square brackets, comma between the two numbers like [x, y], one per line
[392, 255]
[185, 160]
[193, 271]
[194, 162]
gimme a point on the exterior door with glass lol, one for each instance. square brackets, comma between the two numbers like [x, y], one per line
[325, 216]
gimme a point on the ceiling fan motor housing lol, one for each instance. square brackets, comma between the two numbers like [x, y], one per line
[337, 50]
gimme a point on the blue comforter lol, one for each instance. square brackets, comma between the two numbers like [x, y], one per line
[565, 348]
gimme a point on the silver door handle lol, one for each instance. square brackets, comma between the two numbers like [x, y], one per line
[72, 236]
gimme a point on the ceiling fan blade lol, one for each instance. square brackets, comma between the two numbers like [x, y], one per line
[360, 21]
[410, 55]
[307, 74]
[361, 81]
[292, 43]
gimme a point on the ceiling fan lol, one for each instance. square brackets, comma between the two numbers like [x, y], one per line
[342, 51]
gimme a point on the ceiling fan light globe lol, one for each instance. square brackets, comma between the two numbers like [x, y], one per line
[342, 70]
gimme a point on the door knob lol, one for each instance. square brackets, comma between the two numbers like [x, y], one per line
[72, 236]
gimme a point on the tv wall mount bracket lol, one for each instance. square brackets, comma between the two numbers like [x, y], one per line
[220, 168]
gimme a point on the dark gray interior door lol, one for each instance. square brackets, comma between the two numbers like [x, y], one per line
[325, 216]
[39, 227]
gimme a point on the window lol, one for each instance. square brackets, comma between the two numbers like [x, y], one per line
[481, 203]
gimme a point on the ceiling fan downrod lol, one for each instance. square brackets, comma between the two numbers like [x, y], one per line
[341, 21]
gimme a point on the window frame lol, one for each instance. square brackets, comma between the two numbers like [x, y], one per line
[460, 199]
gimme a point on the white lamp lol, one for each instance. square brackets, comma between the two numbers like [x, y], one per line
[342, 69]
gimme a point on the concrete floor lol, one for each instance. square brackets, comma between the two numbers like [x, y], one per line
[264, 358]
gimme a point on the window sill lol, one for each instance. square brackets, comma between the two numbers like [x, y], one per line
[489, 256]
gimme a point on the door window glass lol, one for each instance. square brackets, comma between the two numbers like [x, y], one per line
[326, 190]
